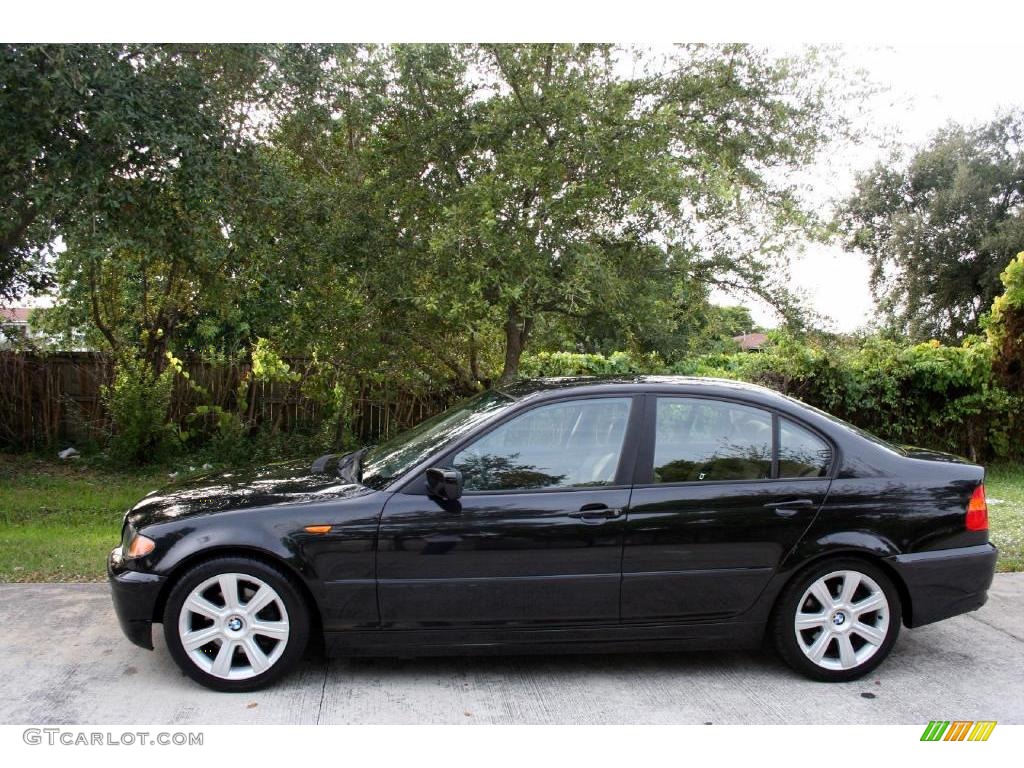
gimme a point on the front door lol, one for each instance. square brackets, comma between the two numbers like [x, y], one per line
[535, 540]
[724, 491]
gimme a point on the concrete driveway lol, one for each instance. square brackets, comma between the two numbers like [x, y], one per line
[63, 660]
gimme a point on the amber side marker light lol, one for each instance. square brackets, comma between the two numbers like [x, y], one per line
[318, 529]
[140, 546]
[977, 511]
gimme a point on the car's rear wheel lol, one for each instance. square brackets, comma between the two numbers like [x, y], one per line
[838, 620]
[236, 624]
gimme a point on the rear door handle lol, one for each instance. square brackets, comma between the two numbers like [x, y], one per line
[593, 513]
[789, 507]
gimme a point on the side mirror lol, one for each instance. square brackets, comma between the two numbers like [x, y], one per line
[445, 484]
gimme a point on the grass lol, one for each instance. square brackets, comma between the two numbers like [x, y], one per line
[1004, 486]
[59, 520]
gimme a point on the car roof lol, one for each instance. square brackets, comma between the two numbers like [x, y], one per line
[557, 385]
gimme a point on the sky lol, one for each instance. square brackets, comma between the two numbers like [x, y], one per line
[926, 87]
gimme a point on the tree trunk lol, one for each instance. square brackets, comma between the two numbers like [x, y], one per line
[155, 351]
[517, 331]
[474, 359]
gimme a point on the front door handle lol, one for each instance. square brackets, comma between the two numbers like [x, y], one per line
[789, 507]
[593, 513]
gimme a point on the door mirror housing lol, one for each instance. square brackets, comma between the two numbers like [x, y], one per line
[445, 484]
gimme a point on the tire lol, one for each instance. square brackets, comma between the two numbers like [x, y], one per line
[841, 636]
[240, 644]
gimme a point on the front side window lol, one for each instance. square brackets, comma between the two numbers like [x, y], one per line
[386, 461]
[702, 440]
[567, 444]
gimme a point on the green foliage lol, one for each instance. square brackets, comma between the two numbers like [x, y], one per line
[115, 148]
[1005, 327]
[928, 394]
[940, 397]
[138, 401]
[940, 228]
[427, 212]
[425, 217]
[1013, 284]
[267, 365]
[584, 364]
[407, 213]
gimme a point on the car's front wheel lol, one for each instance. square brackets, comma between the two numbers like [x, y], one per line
[837, 621]
[236, 624]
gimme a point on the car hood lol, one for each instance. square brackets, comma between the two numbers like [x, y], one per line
[285, 483]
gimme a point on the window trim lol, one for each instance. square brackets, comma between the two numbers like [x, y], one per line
[776, 439]
[643, 476]
[415, 482]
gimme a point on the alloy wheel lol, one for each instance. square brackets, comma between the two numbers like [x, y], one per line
[842, 620]
[234, 626]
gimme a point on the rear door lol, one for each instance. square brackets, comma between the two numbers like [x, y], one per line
[724, 490]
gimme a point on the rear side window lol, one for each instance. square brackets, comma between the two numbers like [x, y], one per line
[702, 440]
[802, 453]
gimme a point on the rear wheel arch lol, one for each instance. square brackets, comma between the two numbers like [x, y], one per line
[253, 553]
[839, 637]
[873, 558]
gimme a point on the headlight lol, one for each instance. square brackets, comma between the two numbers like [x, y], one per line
[134, 544]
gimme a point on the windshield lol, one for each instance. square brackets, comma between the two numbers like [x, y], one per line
[386, 461]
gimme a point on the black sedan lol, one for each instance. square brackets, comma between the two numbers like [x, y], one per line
[639, 514]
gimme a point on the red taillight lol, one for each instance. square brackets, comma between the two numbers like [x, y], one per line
[977, 510]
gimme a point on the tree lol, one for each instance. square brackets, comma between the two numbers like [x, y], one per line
[939, 228]
[88, 128]
[525, 186]
[420, 212]
[141, 160]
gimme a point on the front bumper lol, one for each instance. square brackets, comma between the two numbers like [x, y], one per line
[135, 595]
[945, 582]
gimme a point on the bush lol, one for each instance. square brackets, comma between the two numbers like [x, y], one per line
[1005, 327]
[138, 401]
[940, 397]
[584, 364]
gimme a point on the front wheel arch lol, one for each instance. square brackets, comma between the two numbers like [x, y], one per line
[239, 601]
[253, 553]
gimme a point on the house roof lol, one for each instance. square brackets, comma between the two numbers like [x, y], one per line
[14, 314]
[750, 341]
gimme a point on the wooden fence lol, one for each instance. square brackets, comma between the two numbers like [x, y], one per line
[49, 400]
